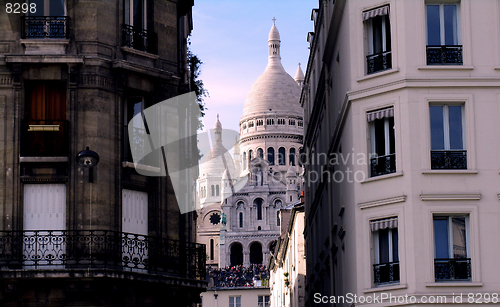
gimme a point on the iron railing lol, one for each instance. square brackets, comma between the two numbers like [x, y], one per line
[100, 249]
[42, 138]
[382, 165]
[378, 62]
[445, 54]
[45, 27]
[386, 272]
[452, 269]
[140, 39]
[449, 159]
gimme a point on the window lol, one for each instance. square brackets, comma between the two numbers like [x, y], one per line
[281, 121]
[263, 301]
[281, 156]
[300, 123]
[136, 32]
[241, 219]
[383, 154]
[250, 153]
[250, 124]
[379, 39]
[213, 190]
[258, 204]
[244, 161]
[451, 260]
[270, 155]
[260, 122]
[235, 301]
[291, 122]
[278, 221]
[244, 126]
[260, 153]
[270, 121]
[386, 264]
[447, 137]
[291, 157]
[44, 129]
[217, 190]
[211, 249]
[48, 21]
[443, 34]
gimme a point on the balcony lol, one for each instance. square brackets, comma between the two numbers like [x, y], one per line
[386, 273]
[140, 39]
[382, 165]
[452, 269]
[444, 55]
[449, 159]
[40, 27]
[378, 62]
[101, 250]
[44, 138]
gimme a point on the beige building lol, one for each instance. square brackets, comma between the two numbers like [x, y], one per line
[235, 297]
[402, 99]
[287, 265]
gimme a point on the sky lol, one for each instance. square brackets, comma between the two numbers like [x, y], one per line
[230, 38]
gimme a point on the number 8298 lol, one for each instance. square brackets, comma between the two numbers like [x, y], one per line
[18, 8]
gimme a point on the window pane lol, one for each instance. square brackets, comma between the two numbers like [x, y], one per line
[56, 8]
[138, 16]
[387, 34]
[450, 25]
[39, 8]
[383, 240]
[433, 28]
[437, 132]
[441, 237]
[379, 137]
[126, 10]
[391, 136]
[377, 34]
[456, 133]
[395, 245]
[459, 240]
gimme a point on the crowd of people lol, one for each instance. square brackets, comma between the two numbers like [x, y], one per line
[254, 275]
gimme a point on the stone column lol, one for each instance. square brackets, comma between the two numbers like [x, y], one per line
[246, 258]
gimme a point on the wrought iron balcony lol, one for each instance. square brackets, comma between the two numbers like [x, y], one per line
[42, 138]
[386, 272]
[378, 62]
[382, 165]
[449, 159]
[443, 55]
[45, 27]
[100, 249]
[140, 39]
[452, 269]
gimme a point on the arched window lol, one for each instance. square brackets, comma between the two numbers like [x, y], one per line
[241, 219]
[256, 253]
[258, 204]
[278, 222]
[270, 155]
[244, 161]
[250, 152]
[211, 249]
[281, 156]
[213, 190]
[217, 190]
[291, 157]
[236, 254]
[301, 158]
[260, 153]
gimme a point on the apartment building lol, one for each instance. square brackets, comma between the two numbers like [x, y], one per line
[78, 224]
[401, 103]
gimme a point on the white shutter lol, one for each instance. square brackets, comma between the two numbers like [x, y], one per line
[135, 212]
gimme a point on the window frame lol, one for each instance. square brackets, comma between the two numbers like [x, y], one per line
[442, 30]
[389, 141]
[391, 246]
[382, 58]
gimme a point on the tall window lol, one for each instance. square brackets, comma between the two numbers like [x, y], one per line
[386, 264]
[383, 152]
[250, 153]
[278, 221]
[451, 261]
[263, 301]
[241, 219]
[235, 301]
[212, 249]
[135, 13]
[379, 39]
[213, 190]
[281, 156]
[258, 204]
[244, 160]
[291, 157]
[447, 137]
[260, 153]
[443, 34]
[136, 32]
[217, 190]
[270, 155]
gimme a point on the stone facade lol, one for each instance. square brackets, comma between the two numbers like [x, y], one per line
[73, 80]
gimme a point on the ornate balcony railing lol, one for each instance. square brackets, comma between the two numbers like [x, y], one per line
[45, 27]
[100, 249]
[386, 272]
[42, 138]
[442, 55]
[449, 159]
[378, 62]
[452, 269]
[140, 39]
[382, 165]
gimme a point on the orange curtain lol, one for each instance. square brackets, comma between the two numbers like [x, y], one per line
[46, 101]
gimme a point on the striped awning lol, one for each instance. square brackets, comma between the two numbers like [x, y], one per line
[379, 114]
[384, 224]
[379, 11]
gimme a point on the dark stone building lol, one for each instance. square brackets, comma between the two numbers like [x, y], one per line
[73, 74]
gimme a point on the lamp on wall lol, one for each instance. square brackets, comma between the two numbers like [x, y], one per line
[88, 158]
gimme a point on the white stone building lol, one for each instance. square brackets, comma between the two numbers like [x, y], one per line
[414, 87]
[249, 191]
